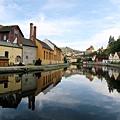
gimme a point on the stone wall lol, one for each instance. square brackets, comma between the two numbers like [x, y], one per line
[29, 55]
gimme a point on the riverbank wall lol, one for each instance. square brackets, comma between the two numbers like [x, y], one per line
[17, 69]
[103, 64]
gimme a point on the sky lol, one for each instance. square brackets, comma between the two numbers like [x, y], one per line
[77, 24]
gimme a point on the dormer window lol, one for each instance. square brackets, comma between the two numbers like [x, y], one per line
[4, 37]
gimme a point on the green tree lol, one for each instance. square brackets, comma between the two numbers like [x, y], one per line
[114, 48]
[65, 59]
[78, 60]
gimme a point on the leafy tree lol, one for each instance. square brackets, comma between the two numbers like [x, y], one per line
[65, 59]
[78, 60]
[114, 48]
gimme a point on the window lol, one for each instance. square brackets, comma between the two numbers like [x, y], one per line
[33, 61]
[4, 37]
[26, 57]
[6, 85]
[18, 59]
[6, 54]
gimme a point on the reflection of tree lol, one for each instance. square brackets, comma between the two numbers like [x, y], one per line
[10, 101]
[112, 83]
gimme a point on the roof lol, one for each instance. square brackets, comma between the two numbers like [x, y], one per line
[87, 59]
[54, 45]
[26, 42]
[3, 58]
[44, 45]
[9, 44]
[9, 28]
[101, 56]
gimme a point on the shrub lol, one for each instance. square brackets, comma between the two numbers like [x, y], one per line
[38, 62]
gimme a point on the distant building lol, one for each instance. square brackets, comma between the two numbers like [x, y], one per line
[89, 50]
[116, 57]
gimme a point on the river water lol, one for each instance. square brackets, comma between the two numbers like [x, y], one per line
[73, 93]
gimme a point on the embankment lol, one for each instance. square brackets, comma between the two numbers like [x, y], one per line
[17, 69]
[104, 64]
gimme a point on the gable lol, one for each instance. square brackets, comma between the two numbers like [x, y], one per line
[116, 55]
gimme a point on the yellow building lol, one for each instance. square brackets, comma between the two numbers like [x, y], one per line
[12, 51]
[57, 55]
[44, 52]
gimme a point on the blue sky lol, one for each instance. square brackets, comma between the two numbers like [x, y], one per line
[72, 23]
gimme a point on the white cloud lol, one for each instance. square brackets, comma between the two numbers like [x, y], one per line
[58, 4]
[109, 17]
[76, 30]
[115, 1]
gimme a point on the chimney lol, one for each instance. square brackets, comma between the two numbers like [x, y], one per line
[31, 31]
[34, 35]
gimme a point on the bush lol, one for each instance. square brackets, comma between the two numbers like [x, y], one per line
[38, 62]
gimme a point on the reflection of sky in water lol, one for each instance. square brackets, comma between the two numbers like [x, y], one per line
[74, 98]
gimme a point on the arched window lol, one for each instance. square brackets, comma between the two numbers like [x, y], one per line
[18, 59]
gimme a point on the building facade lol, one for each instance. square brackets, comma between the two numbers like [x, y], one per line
[57, 56]
[12, 51]
[44, 53]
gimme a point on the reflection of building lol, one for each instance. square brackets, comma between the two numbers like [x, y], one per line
[115, 74]
[14, 87]
[10, 88]
[28, 82]
[72, 70]
[9, 83]
[90, 76]
[48, 80]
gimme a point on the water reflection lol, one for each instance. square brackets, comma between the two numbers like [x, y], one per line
[17, 86]
[81, 93]
[111, 75]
